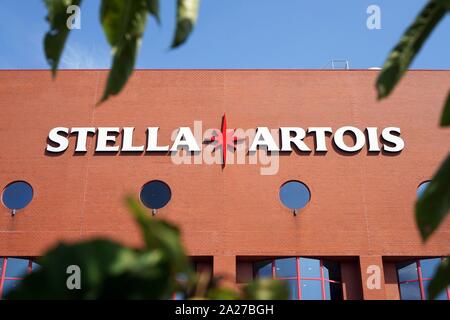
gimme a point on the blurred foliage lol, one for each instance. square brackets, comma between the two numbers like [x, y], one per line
[409, 45]
[266, 289]
[56, 37]
[433, 206]
[186, 18]
[441, 279]
[445, 119]
[109, 270]
[124, 24]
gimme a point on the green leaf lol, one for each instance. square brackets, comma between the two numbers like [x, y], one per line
[187, 13]
[110, 270]
[124, 24]
[409, 45]
[445, 3]
[158, 234]
[434, 204]
[441, 279]
[107, 270]
[56, 37]
[222, 293]
[445, 119]
[148, 277]
[266, 289]
[153, 8]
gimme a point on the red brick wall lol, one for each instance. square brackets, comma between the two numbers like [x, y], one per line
[361, 204]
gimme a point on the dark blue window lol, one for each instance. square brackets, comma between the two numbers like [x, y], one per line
[311, 289]
[155, 194]
[414, 278]
[429, 267]
[17, 268]
[307, 278]
[263, 269]
[407, 271]
[421, 188]
[310, 268]
[17, 195]
[294, 195]
[12, 271]
[286, 267]
[410, 291]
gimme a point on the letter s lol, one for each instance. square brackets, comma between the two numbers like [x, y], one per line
[60, 140]
[398, 142]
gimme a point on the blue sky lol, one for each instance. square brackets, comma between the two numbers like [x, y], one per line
[232, 34]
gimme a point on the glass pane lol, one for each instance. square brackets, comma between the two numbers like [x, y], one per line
[17, 195]
[333, 291]
[331, 270]
[429, 267]
[155, 194]
[286, 267]
[179, 296]
[309, 268]
[407, 271]
[16, 268]
[421, 188]
[1, 267]
[441, 296]
[293, 289]
[9, 285]
[311, 289]
[263, 269]
[410, 291]
[35, 266]
[294, 194]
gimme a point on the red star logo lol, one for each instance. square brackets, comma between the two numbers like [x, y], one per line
[224, 138]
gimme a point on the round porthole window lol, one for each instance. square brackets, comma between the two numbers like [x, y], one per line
[294, 195]
[17, 195]
[421, 188]
[155, 194]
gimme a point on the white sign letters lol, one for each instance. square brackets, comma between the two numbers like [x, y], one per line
[107, 139]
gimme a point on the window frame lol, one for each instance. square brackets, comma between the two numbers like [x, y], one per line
[299, 278]
[420, 279]
[3, 276]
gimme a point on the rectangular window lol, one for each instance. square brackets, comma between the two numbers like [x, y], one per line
[414, 277]
[12, 272]
[307, 278]
[200, 264]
